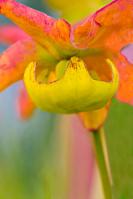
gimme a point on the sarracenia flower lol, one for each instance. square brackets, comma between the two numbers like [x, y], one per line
[70, 69]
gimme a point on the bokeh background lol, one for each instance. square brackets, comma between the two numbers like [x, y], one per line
[51, 157]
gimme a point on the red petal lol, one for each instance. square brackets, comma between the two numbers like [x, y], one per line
[52, 34]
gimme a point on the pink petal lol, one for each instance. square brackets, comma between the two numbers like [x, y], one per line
[10, 34]
[14, 60]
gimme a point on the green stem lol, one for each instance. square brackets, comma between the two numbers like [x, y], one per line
[100, 156]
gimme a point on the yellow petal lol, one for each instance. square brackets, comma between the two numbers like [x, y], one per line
[75, 91]
[93, 120]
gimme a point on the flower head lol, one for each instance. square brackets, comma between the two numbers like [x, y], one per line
[67, 68]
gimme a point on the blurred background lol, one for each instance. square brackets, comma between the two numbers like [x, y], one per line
[50, 156]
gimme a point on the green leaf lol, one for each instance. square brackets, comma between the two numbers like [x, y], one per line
[119, 129]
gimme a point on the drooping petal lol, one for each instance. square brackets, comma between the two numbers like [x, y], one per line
[93, 120]
[14, 60]
[74, 91]
[10, 34]
[125, 90]
[52, 34]
[73, 10]
[110, 27]
[25, 106]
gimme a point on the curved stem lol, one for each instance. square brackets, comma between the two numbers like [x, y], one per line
[101, 162]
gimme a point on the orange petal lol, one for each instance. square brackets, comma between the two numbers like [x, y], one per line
[10, 34]
[116, 40]
[94, 119]
[125, 91]
[98, 67]
[125, 69]
[14, 60]
[110, 27]
[25, 106]
[52, 34]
